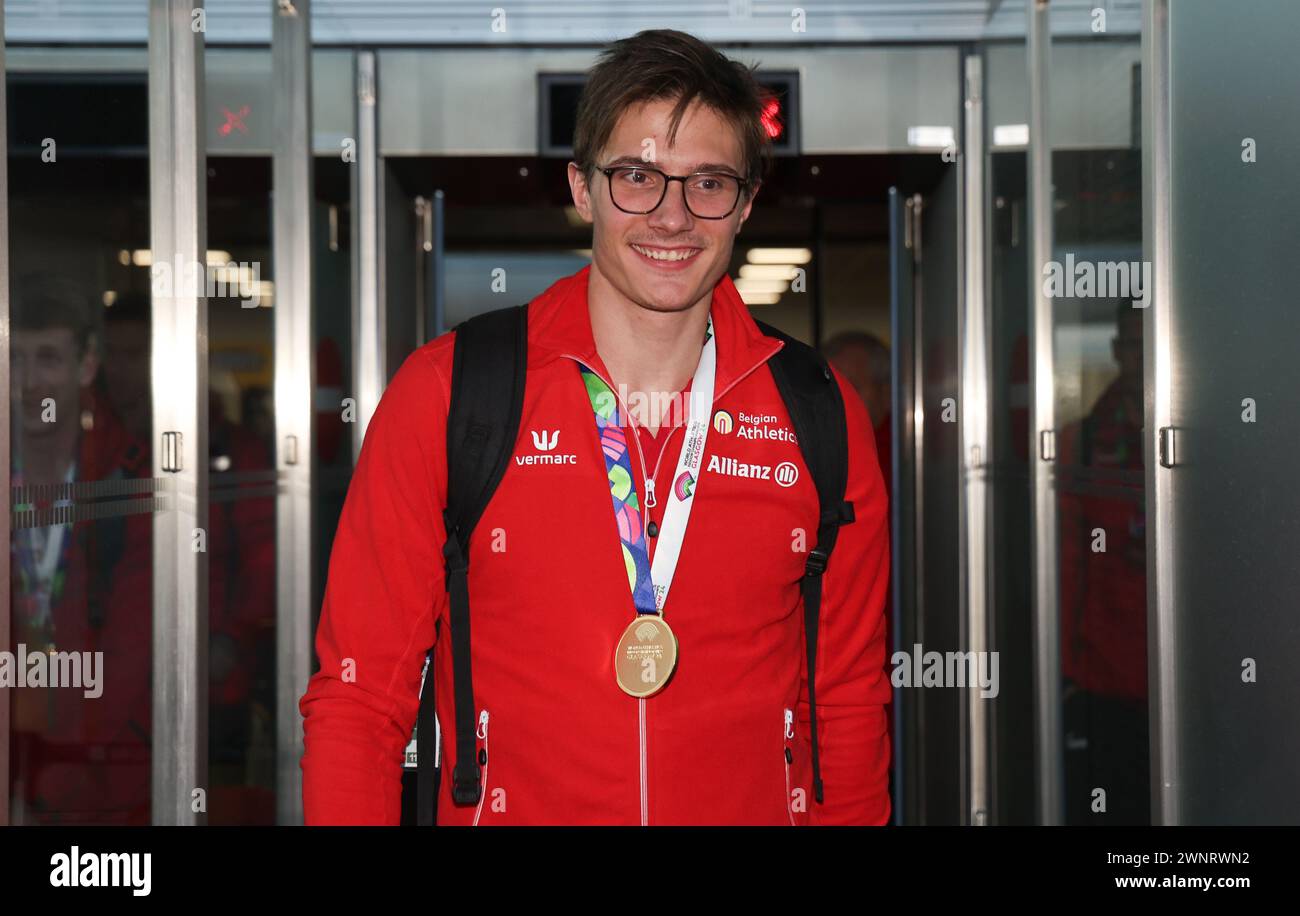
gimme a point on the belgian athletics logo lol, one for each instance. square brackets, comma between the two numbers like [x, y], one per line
[722, 421]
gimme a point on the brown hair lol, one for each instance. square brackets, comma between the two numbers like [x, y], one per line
[668, 64]
[44, 300]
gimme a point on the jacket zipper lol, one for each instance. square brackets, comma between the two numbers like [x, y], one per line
[788, 734]
[483, 736]
[646, 504]
[650, 481]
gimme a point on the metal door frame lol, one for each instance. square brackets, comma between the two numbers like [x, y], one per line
[292, 170]
[178, 229]
[1158, 368]
[1049, 738]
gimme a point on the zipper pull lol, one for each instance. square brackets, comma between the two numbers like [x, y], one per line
[482, 724]
[789, 723]
[650, 492]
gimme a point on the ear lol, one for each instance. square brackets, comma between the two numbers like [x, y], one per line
[580, 191]
[749, 203]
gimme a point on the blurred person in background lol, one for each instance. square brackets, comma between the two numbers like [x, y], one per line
[1103, 596]
[77, 586]
[864, 361]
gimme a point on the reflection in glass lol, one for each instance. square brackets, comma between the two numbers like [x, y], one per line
[1012, 592]
[1100, 486]
[81, 555]
[242, 481]
[81, 488]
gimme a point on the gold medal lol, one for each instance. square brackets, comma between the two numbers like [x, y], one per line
[645, 656]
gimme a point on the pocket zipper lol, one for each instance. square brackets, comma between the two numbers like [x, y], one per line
[483, 735]
[788, 733]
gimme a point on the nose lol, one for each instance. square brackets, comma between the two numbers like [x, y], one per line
[671, 215]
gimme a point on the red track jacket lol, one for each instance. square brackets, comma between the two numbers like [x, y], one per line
[726, 741]
[85, 760]
[1104, 594]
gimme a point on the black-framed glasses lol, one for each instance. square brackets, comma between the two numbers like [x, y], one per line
[639, 189]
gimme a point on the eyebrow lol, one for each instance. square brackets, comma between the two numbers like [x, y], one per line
[699, 167]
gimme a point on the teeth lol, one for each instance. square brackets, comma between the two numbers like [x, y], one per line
[660, 255]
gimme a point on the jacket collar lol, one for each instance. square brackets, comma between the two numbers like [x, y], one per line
[559, 325]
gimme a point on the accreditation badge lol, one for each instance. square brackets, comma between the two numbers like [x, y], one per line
[646, 653]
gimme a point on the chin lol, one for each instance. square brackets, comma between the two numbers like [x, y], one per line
[672, 293]
[658, 303]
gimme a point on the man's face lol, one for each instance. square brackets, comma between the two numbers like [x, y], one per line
[705, 142]
[47, 363]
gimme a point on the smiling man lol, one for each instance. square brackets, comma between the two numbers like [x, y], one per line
[646, 665]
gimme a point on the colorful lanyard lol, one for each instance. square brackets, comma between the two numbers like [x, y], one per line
[41, 557]
[650, 583]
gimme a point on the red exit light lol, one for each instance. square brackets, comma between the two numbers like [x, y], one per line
[234, 120]
[771, 118]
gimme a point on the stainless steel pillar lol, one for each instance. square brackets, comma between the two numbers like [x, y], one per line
[973, 331]
[291, 240]
[1047, 645]
[369, 376]
[178, 237]
[1156, 363]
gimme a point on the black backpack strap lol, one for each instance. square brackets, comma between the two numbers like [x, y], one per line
[817, 412]
[487, 398]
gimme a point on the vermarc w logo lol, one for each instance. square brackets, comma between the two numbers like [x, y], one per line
[542, 443]
[545, 441]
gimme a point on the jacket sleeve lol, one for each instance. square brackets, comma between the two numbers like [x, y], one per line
[384, 591]
[852, 683]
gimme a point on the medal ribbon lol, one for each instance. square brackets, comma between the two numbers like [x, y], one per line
[649, 583]
[41, 563]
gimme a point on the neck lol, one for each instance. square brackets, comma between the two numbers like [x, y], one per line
[648, 353]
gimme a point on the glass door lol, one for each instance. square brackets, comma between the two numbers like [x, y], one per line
[931, 770]
[1011, 606]
[75, 729]
[1222, 233]
[1097, 283]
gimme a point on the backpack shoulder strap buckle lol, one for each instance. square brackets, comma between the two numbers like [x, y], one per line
[466, 778]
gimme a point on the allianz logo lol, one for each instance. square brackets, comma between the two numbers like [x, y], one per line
[785, 474]
[546, 441]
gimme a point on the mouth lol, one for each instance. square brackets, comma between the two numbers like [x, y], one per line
[666, 258]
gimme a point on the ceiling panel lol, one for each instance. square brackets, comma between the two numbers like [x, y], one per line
[569, 22]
